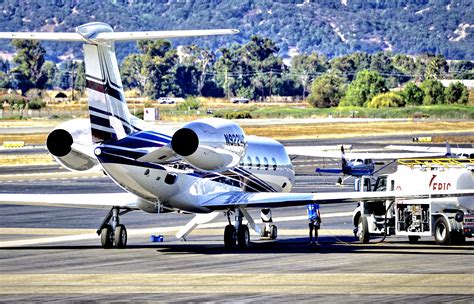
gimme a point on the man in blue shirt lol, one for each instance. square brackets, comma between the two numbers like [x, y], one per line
[314, 217]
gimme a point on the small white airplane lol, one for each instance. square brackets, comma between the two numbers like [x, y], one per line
[206, 167]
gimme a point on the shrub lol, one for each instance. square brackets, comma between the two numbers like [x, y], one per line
[233, 114]
[457, 93]
[385, 100]
[15, 101]
[191, 103]
[36, 104]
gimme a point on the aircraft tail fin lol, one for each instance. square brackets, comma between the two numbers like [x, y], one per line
[448, 149]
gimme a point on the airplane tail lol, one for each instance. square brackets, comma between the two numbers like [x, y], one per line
[448, 149]
[109, 114]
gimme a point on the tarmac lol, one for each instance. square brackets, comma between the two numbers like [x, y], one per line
[53, 254]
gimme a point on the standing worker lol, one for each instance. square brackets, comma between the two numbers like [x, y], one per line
[314, 217]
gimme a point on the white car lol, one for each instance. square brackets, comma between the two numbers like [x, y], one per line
[166, 100]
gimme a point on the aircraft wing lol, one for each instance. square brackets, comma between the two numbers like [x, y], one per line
[329, 170]
[316, 151]
[94, 201]
[371, 155]
[430, 149]
[272, 200]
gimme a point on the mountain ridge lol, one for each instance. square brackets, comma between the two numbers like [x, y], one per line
[333, 28]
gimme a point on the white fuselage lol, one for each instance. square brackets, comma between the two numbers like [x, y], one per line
[265, 167]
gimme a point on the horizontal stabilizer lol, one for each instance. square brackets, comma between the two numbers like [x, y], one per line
[114, 36]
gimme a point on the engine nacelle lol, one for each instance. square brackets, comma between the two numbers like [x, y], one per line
[70, 143]
[210, 144]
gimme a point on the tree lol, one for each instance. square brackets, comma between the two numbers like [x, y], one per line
[457, 93]
[159, 60]
[50, 70]
[29, 59]
[4, 80]
[201, 59]
[385, 100]
[463, 69]
[436, 68]
[326, 91]
[433, 92]
[80, 81]
[412, 94]
[131, 73]
[366, 85]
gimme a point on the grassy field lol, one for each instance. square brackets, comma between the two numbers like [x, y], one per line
[302, 131]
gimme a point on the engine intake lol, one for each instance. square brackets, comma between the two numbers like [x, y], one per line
[59, 142]
[210, 144]
[185, 142]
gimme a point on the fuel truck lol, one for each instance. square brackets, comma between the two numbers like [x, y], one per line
[449, 220]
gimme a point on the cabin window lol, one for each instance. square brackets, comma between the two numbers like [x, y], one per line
[249, 162]
[265, 163]
[257, 162]
[274, 163]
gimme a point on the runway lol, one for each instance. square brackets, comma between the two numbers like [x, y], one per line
[53, 254]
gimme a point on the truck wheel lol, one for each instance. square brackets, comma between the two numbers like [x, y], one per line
[413, 239]
[442, 234]
[363, 230]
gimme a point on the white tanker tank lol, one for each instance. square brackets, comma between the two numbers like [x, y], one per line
[450, 219]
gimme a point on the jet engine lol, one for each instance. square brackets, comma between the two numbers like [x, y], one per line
[210, 144]
[70, 143]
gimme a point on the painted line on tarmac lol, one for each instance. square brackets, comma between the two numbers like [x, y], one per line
[241, 283]
[131, 232]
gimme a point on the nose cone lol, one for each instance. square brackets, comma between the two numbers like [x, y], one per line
[185, 142]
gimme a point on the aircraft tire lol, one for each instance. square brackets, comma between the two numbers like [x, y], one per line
[120, 237]
[273, 232]
[243, 237]
[106, 237]
[363, 230]
[413, 239]
[442, 234]
[230, 237]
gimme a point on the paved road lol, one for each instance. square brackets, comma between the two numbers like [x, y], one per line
[54, 254]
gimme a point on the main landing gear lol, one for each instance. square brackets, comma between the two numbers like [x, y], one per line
[112, 233]
[238, 235]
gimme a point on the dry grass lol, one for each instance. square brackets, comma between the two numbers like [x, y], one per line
[30, 159]
[337, 130]
[319, 130]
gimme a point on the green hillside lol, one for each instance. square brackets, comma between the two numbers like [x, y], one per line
[333, 28]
